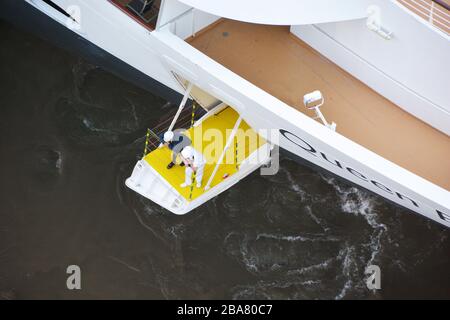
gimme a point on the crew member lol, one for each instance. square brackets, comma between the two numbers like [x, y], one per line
[175, 141]
[195, 163]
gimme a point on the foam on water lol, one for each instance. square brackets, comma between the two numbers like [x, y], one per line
[289, 255]
[312, 238]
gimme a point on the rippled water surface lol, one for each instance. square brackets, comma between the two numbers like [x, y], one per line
[71, 134]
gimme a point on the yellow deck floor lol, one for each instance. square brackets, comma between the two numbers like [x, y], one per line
[210, 135]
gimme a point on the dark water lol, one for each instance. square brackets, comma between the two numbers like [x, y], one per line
[71, 133]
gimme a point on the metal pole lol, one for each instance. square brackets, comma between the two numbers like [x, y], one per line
[147, 138]
[193, 113]
[230, 140]
[192, 186]
[320, 115]
[182, 104]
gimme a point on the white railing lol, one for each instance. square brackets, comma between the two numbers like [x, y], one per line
[436, 14]
[182, 25]
[187, 23]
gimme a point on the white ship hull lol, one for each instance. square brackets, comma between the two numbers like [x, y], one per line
[160, 53]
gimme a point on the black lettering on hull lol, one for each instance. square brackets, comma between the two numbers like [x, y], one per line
[313, 151]
[310, 149]
[405, 197]
[443, 216]
[304, 145]
[381, 186]
[335, 162]
[356, 174]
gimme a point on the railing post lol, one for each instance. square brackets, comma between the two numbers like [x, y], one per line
[230, 140]
[236, 154]
[192, 186]
[194, 104]
[147, 139]
[431, 19]
[182, 104]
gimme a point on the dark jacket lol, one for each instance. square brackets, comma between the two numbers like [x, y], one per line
[178, 143]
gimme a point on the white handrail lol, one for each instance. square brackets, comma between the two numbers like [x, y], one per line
[436, 8]
[431, 12]
[174, 19]
[428, 11]
[230, 139]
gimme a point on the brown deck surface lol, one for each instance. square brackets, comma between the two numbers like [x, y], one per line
[276, 61]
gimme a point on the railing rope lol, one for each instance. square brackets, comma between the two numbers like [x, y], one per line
[148, 142]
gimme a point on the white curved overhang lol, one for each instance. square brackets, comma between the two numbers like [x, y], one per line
[284, 12]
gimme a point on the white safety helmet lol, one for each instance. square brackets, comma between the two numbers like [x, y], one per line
[187, 152]
[168, 136]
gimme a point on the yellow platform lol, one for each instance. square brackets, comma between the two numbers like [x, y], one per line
[210, 138]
